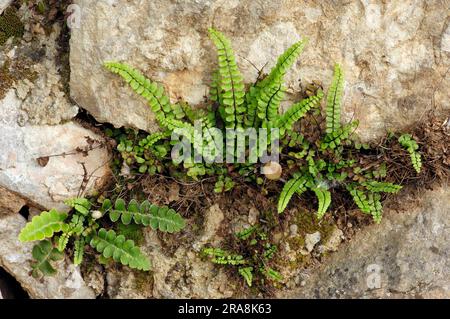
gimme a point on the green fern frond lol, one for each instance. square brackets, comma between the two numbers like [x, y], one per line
[360, 198]
[376, 208]
[369, 203]
[43, 253]
[247, 273]
[269, 102]
[222, 257]
[81, 205]
[289, 189]
[286, 121]
[231, 83]
[79, 251]
[264, 98]
[44, 226]
[75, 227]
[284, 63]
[120, 249]
[271, 274]
[337, 137]
[408, 142]
[334, 98]
[381, 187]
[151, 140]
[151, 91]
[324, 197]
[161, 218]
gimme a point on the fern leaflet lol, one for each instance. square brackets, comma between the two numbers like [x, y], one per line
[44, 226]
[43, 253]
[334, 99]
[161, 218]
[324, 198]
[120, 249]
[231, 83]
[291, 186]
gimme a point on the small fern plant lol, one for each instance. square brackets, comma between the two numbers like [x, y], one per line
[238, 106]
[321, 163]
[254, 262]
[408, 143]
[83, 227]
[327, 164]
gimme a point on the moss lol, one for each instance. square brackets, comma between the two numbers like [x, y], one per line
[10, 25]
[143, 280]
[15, 70]
[307, 223]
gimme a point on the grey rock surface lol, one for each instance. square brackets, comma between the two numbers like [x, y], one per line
[407, 256]
[4, 4]
[62, 177]
[396, 55]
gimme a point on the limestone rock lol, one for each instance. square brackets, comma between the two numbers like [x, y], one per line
[4, 4]
[47, 184]
[406, 256]
[15, 259]
[213, 219]
[10, 202]
[311, 240]
[395, 54]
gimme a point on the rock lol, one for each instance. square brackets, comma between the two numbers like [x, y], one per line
[44, 99]
[311, 240]
[395, 54]
[94, 278]
[15, 259]
[293, 229]
[10, 202]
[127, 284]
[213, 219]
[55, 177]
[333, 241]
[4, 4]
[406, 256]
[253, 216]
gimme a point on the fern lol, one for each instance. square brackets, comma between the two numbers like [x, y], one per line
[264, 98]
[407, 141]
[289, 189]
[334, 98]
[369, 203]
[44, 226]
[81, 205]
[324, 198]
[120, 249]
[79, 251]
[247, 273]
[75, 227]
[154, 93]
[286, 121]
[161, 218]
[151, 140]
[222, 257]
[384, 187]
[337, 137]
[230, 83]
[43, 253]
[272, 274]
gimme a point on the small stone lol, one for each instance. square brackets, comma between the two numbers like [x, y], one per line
[311, 240]
[253, 215]
[277, 237]
[293, 229]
